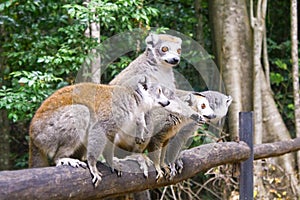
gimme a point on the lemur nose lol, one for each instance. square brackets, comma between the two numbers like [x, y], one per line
[210, 116]
[164, 104]
[175, 60]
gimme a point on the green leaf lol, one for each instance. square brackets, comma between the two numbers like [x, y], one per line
[281, 64]
[276, 78]
[40, 60]
[23, 80]
[30, 83]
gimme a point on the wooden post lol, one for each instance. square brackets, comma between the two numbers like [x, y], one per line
[246, 135]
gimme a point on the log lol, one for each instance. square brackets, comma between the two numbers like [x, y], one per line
[275, 149]
[75, 183]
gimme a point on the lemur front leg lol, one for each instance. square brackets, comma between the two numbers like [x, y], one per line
[96, 143]
[141, 129]
[155, 149]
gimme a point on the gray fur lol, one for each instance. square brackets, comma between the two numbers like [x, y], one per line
[89, 126]
[218, 102]
[161, 54]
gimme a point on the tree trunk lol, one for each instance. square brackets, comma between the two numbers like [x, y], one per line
[4, 121]
[199, 25]
[294, 39]
[232, 46]
[4, 141]
[257, 24]
[93, 32]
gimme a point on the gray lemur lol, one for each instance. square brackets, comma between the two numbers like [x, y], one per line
[156, 63]
[179, 130]
[84, 120]
[219, 103]
[161, 55]
[165, 130]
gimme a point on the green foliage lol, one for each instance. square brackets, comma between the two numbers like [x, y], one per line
[114, 17]
[119, 65]
[176, 15]
[279, 49]
[21, 161]
[43, 44]
[34, 33]
[281, 80]
[28, 90]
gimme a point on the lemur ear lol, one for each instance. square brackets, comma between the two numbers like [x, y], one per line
[152, 39]
[144, 82]
[228, 101]
[199, 94]
[189, 99]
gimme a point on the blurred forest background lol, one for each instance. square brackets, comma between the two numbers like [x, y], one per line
[43, 44]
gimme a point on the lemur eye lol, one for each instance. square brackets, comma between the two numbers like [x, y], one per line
[159, 91]
[203, 106]
[179, 51]
[164, 49]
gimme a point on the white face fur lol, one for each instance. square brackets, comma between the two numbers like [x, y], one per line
[153, 96]
[218, 102]
[203, 107]
[166, 48]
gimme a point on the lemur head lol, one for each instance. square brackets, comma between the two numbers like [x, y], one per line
[165, 49]
[200, 104]
[152, 94]
[218, 102]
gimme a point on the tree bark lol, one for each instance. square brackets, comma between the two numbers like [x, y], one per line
[4, 121]
[275, 149]
[199, 25]
[233, 51]
[258, 24]
[75, 183]
[294, 40]
[277, 131]
[232, 46]
[4, 141]
[93, 32]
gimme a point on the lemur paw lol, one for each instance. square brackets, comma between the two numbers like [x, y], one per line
[179, 165]
[198, 118]
[71, 162]
[96, 175]
[96, 179]
[160, 175]
[144, 163]
[139, 140]
[116, 166]
[173, 171]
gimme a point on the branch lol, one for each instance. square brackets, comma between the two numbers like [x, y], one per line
[276, 149]
[72, 183]
[75, 183]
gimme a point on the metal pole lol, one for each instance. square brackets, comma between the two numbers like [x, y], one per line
[246, 135]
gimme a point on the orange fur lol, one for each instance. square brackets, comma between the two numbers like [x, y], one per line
[83, 93]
